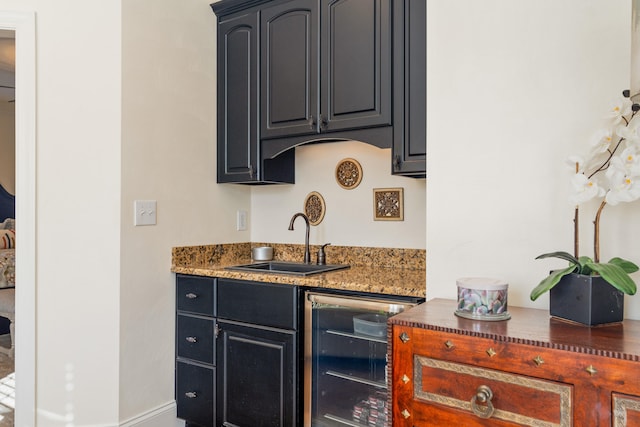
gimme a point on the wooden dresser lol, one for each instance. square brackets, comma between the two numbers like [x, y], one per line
[531, 370]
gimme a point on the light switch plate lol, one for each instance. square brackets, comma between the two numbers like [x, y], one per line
[241, 220]
[144, 212]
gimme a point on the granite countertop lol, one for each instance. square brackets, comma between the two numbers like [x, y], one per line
[377, 270]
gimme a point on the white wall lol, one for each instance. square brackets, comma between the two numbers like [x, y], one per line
[349, 213]
[168, 155]
[7, 147]
[514, 88]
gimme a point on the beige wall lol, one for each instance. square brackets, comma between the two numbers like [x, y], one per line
[514, 88]
[7, 148]
[349, 213]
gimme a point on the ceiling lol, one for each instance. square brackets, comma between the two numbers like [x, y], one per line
[7, 65]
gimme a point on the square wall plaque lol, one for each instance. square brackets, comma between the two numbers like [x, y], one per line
[388, 204]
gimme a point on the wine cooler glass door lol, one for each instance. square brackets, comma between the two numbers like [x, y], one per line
[346, 359]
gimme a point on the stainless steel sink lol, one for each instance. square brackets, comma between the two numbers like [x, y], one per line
[295, 268]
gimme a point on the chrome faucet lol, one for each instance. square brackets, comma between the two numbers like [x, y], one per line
[307, 253]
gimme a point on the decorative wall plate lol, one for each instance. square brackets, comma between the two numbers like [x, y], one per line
[348, 173]
[314, 207]
[388, 204]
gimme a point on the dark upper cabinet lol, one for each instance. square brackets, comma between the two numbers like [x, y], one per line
[297, 71]
[238, 146]
[326, 66]
[409, 127]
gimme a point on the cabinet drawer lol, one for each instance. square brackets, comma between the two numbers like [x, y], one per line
[455, 386]
[195, 338]
[258, 303]
[195, 294]
[195, 391]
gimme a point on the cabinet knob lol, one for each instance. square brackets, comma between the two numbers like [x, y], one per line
[191, 295]
[404, 337]
[483, 396]
[192, 339]
[406, 414]
[191, 394]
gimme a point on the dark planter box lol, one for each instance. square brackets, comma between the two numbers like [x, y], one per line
[589, 300]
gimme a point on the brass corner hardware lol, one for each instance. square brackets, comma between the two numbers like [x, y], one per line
[491, 352]
[592, 371]
[538, 360]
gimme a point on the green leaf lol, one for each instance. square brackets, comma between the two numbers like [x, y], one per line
[584, 262]
[562, 255]
[616, 276]
[627, 266]
[550, 281]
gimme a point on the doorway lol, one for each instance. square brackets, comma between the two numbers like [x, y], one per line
[23, 26]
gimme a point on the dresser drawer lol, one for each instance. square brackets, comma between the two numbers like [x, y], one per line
[195, 393]
[263, 304]
[449, 385]
[195, 338]
[195, 294]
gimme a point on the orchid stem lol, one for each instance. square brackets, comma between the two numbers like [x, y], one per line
[596, 234]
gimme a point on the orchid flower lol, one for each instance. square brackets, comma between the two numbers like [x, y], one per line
[585, 189]
[619, 109]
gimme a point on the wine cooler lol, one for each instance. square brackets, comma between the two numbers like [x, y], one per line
[346, 358]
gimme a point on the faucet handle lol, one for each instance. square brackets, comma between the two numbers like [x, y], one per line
[321, 255]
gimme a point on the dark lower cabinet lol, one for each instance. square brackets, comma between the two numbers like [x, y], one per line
[257, 376]
[195, 393]
[237, 353]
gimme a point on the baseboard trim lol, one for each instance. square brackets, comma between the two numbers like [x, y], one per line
[163, 415]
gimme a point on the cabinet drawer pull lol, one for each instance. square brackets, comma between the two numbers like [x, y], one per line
[191, 394]
[191, 295]
[404, 337]
[483, 395]
[406, 414]
[192, 339]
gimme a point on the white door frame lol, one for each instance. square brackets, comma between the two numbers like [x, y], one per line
[23, 23]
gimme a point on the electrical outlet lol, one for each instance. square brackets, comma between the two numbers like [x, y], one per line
[241, 220]
[144, 212]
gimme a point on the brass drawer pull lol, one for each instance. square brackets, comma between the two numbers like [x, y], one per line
[406, 414]
[404, 337]
[191, 295]
[449, 344]
[483, 395]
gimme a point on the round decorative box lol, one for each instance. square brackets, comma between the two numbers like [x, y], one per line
[482, 298]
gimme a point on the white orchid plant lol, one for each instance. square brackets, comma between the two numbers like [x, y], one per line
[610, 172]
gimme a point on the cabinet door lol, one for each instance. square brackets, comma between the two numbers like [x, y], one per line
[289, 46]
[356, 64]
[238, 70]
[410, 105]
[256, 381]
